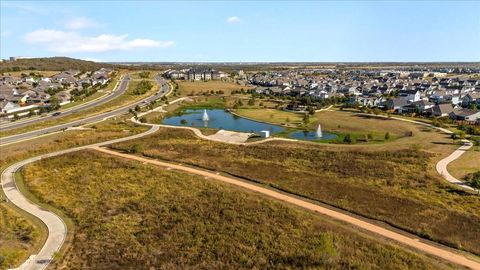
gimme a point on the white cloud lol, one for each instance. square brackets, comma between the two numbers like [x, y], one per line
[64, 42]
[233, 19]
[80, 23]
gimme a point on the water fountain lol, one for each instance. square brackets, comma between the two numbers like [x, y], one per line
[319, 131]
[205, 116]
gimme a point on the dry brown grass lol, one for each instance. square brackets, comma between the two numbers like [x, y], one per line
[468, 163]
[145, 217]
[18, 237]
[188, 88]
[399, 187]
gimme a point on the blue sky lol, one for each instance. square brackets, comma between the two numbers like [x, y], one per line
[243, 30]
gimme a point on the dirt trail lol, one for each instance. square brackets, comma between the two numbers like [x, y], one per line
[443, 253]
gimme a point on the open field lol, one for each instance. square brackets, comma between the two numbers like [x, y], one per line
[15, 250]
[18, 237]
[150, 74]
[188, 88]
[397, 186]
[123, 100]
[468, 163]
[142, 215]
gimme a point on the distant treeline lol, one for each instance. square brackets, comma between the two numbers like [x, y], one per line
[62, 63]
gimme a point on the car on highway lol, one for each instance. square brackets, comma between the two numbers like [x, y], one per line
[56, 113]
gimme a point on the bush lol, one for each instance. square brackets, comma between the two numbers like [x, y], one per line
[136, 148]
[348, 139]
[142, 87]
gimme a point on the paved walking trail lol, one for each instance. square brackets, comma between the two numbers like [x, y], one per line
[442, 164]
[57, 230]
[406, 240]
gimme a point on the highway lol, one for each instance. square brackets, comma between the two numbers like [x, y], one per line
[118, 91]
[164, 87]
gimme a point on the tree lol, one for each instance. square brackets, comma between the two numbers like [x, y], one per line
[306, 118]
[137, 108]
[54, 103]
[311, 110]
[387, 136]
[475, 183]
[251, 102]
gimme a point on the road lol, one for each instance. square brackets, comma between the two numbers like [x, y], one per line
[57, 230]
[410, 241]
[119, 90]
[36, 133]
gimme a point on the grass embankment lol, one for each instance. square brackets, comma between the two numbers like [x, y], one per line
[142, 216]
[18, 237]
[127, 98]
[188, 88]
[397, 186]
[360, 128]
[16, 250]
[466, 164]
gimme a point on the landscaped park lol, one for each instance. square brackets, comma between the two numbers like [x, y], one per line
[140, 214]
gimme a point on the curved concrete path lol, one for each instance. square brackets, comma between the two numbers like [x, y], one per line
[410, 241]
[57, 230]
[441, 166]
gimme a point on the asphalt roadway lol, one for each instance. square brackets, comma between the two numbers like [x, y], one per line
[36, 133]
[120, 89]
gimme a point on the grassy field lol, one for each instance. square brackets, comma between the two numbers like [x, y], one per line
[188, 88]
[116, 103]
[15, 250]
[334, 121]
[468, 163]
[18, 237]
[398, 186]
[145, 217]
[151, 75]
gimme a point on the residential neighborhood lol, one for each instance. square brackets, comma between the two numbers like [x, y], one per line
[33, 92]
[442, 92]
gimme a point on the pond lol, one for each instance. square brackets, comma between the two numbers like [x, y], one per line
[220, 119]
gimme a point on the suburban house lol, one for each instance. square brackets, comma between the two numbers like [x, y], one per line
[410, 95]
[465, 115]
[441, 110]
[470, 98]
[395, 104]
